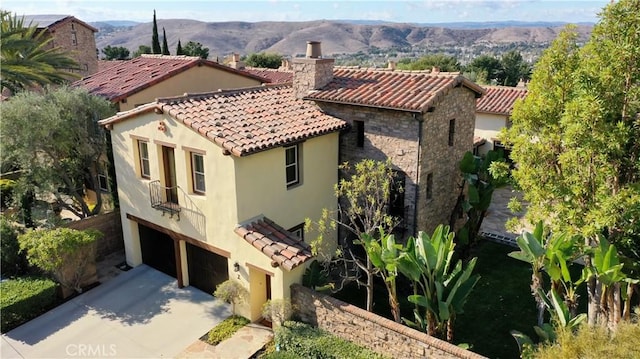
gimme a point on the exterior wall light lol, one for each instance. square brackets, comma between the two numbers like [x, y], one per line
[236, 267]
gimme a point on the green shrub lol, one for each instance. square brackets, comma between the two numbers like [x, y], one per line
[12, 261]
[226, 329]
[232, 292]
[23, 299]
[6, 192]
[309, 342]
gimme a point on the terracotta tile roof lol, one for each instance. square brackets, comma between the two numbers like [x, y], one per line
[105, 64]
[275, 242]
[245, 121]
[400, 90]
[499, 99]
[477, 141]
[128, 77]
[273, 76]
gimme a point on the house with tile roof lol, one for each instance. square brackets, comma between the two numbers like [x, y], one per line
[73, 35]
[422, 120]
[492, 115]
[131, 83]
[218, 185]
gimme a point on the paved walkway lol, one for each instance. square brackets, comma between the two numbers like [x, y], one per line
[242, 345]
[493, 226]
[140, 313]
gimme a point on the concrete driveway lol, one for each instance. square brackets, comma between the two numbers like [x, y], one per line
[138, 314]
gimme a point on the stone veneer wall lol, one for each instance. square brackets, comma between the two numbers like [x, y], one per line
[370, 330]
[109, 224]
[311, 74]
[84, 51]
[388, 134]
[442, 160]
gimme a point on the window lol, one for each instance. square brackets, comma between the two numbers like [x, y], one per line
[429, 186]
[197, 169]
[143, 153]
[452, 131]
[74, 39]
[359, 133]
[292, 164]
[103, 183]
[298, 231]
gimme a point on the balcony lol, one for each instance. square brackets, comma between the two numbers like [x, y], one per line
[164, 199]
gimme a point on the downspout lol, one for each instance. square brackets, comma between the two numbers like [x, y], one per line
[419, 118]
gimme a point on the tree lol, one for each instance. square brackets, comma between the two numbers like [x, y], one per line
[63, 252]
[142, 49]
[232, 292]
[576, 141]
[195, 49]
[440, 288]
[264, 60]
[54, 139]
[165, 46]
[441, 61]
[513, 69]
[115, 53]
[28, 57]
[363, 194]
[179, 50]
[155, 40]
[12, 261]
[484, 68]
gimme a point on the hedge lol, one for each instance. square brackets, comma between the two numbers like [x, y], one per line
[226, 329]
[23, 299]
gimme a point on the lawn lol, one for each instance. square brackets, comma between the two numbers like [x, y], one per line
[500, 302]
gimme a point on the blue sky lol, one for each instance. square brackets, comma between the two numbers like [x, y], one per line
[289, 10]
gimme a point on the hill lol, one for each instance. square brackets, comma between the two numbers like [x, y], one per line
[346, 37]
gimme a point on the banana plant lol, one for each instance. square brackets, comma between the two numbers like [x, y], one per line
[440, 289]
[384, 253]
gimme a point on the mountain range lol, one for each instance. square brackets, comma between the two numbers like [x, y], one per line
[337, 37]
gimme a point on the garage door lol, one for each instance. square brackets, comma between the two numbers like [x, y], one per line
[157, 250]
[206, 269]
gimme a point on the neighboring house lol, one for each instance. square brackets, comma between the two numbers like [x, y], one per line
[422, 121]
[141, 80]
[75, 36]
[218, 185]
[492, 115]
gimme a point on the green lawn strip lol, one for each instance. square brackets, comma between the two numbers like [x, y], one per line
[24, 298]
[226, 329]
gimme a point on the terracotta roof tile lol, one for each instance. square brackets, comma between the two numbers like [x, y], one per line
[245, 121]
[280, 245]
[500, 99]
[273, 76]
[128, 77]
[401, 90]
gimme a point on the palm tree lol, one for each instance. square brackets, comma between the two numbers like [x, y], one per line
[28, 58]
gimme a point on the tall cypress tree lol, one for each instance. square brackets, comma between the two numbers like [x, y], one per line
[165, 46]
[155, 40]
[179, 50]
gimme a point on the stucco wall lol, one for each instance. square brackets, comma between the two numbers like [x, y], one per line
[440, 159]
[194, 80]
[368, 329]
[488, 126]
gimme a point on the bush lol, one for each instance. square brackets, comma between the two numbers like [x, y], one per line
[277, 311]
[12, 261]
[226, 329]
[64, 252]
[309, 342]
[6, 192]
[232, 292]
[23, 299]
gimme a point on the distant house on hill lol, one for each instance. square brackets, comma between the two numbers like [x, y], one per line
[492, 115]
[131, 83]
[75, 36]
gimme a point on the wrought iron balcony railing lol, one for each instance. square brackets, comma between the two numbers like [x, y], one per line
[164, 198]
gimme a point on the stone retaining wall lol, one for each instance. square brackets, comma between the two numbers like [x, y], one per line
[368, 329]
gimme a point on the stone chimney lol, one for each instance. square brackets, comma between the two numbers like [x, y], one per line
[235, 62]
[435, 70]
[392, 65]
[311, 72]
[285, 65]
